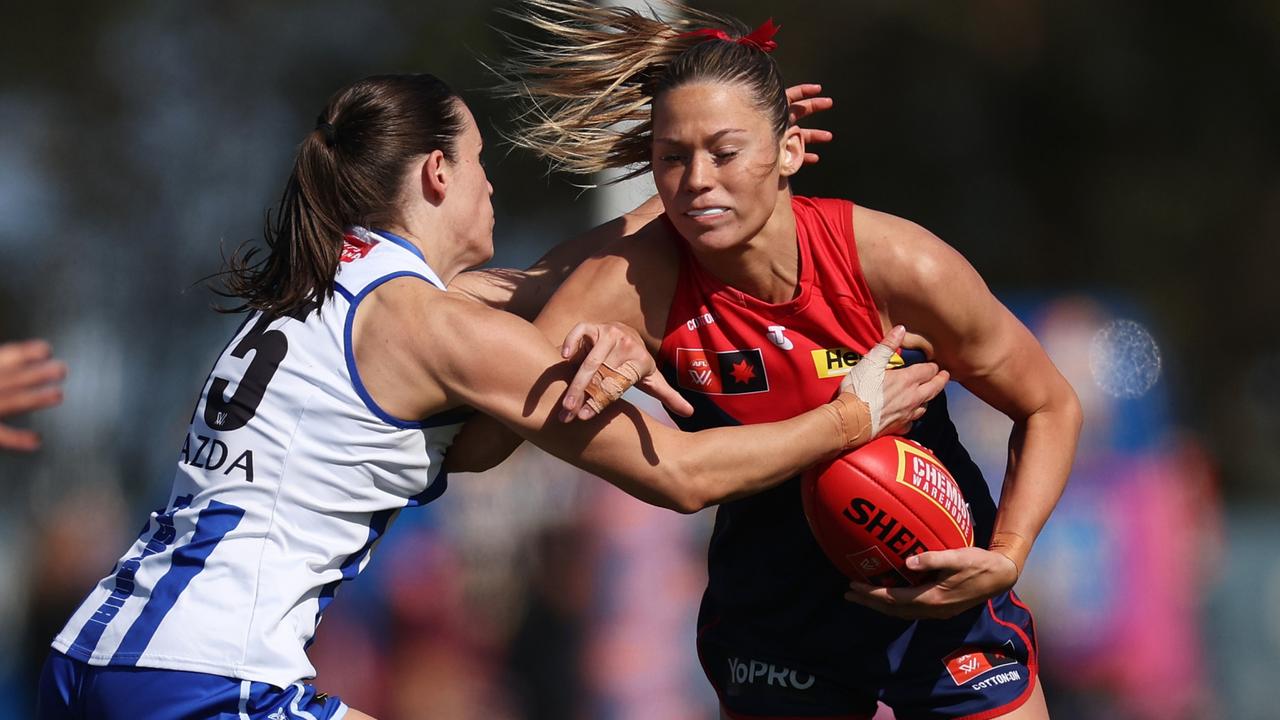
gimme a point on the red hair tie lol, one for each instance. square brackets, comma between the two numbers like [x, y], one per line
[761, 38]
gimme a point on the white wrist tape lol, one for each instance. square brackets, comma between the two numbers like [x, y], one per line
[866, 380]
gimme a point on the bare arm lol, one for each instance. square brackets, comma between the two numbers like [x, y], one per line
[602, 289]
[505, 368]
[922, 282]
[632, 284]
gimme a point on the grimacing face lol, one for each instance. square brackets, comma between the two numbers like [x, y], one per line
[717, 164]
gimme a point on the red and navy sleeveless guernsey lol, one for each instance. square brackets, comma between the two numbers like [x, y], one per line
[740, 360]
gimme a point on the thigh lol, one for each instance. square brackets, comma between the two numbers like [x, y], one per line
[1033, 709]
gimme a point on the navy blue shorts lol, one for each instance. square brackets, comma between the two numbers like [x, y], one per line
[979, 664]
[73, 690]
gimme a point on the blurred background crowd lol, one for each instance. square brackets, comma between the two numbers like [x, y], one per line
[1112, 170]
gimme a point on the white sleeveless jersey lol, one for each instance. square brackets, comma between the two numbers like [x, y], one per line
[289, 475]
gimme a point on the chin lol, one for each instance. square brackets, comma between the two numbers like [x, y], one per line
[715, 238]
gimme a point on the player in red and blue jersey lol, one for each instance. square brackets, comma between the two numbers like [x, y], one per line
[755, 302]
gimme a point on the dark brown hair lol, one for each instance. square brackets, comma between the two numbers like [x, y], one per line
[584, 89]
[348, 171]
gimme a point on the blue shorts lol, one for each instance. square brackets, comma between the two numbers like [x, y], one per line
[979, 664]
[73, 690]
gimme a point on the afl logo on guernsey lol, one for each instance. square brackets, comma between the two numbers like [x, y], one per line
[735, 372]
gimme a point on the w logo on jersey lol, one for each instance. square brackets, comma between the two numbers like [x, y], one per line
[733, 372]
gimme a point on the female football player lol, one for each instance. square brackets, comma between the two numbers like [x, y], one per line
[332, 406]
[755, 301]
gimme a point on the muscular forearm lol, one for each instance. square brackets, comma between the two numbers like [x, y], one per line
[1041, 450]
[690, 471]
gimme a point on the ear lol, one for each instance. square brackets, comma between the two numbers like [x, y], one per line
[435, 177]
[791, 153]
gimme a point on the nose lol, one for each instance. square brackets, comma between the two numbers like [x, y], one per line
[697, 178]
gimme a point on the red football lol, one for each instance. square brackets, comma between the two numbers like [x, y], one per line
[876, 506]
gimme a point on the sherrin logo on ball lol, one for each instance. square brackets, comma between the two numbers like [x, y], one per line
[874, 507]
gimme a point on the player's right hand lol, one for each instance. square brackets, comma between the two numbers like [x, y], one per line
[615, 359]
[895, 399]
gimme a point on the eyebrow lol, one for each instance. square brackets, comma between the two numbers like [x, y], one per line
[714, 137]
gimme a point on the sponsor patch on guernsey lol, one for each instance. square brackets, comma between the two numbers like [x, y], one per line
[733, 372]
[964, 666]
[837, 361]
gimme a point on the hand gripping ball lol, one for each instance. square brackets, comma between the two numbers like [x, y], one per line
[872, 508]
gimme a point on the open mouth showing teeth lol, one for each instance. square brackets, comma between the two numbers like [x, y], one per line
[707, 212]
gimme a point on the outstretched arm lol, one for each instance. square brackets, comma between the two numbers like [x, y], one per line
[921, 281]
[504, 367]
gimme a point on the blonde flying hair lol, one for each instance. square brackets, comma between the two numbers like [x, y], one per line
[584, 86]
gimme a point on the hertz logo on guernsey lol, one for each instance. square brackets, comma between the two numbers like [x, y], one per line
[834, 362]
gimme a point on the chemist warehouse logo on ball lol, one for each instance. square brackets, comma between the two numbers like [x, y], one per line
[967, 666]
[735, 372]
[837, 361]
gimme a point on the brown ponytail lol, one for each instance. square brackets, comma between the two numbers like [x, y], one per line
[348, 171]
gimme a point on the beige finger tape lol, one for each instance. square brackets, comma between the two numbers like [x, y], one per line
[608, 384]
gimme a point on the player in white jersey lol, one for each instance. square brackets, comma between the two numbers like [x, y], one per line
[331, 409]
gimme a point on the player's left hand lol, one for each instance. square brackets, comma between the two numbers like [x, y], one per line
[615, 358]
[961, 579]
[806, 99]
[30, 379]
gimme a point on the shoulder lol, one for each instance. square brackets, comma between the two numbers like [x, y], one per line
[632, 281]
[648, 250]
[422, 316]
[899, 256]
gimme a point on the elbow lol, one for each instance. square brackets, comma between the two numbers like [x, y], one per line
[688, 496]
[1073, 411]
[690, 503]
[689, 490]
[1061, 409]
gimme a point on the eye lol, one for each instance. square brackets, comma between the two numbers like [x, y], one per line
[673, 159]
[724, 156]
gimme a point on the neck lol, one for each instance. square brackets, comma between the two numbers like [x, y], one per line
[436, 249]
[767, 266]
